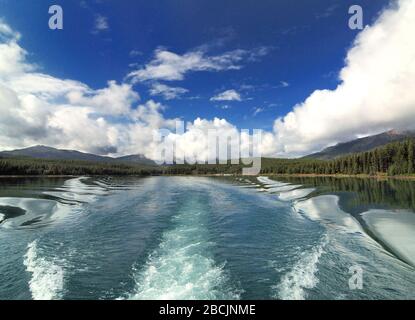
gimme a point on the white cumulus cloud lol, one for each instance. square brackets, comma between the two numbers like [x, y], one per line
[169, 66]
[228, 95]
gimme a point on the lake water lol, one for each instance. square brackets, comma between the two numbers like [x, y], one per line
[206, 238]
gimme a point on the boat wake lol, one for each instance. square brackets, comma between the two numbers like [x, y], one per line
[303, 275]
[47, 275]
[182, 267]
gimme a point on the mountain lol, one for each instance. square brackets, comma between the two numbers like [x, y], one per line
[44, 152]
[136, 158]
[361, 145]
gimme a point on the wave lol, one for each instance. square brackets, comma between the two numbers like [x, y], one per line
[271, 183]
[303, 275]
[274, 186]
[75, 191]
[182, 267]
[396, 229]
[266, 180]
[326, 209]
[287, 191]
[47, 278]
[295, 194]
[31, 211]
[284, 188]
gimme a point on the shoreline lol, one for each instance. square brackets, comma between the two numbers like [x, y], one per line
[361, 176]
[38, 176]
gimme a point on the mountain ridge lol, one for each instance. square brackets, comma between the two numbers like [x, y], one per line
[50, 153]
[361, 145]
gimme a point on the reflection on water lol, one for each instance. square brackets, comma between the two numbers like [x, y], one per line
[366, 192]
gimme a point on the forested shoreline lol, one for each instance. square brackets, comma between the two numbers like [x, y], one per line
[42, 167]
[394, 159]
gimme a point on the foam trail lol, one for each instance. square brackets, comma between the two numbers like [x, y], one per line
[47, 278]
[182, 268]
[302, 276]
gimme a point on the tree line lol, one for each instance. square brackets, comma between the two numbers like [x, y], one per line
[396, 158]
[42, 167]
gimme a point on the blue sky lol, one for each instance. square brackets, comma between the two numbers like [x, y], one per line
[121, 70]
[306, 41]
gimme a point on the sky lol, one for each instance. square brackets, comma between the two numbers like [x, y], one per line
[121, 69]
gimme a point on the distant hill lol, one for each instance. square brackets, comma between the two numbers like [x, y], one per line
[44, 152]
[361, 145]
[137, 158]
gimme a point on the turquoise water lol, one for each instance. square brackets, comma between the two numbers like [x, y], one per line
[195, 238]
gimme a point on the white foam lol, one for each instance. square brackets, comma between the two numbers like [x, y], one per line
[295, 194]
[182, 268]
[180, 278]
[47, 278]
[396, 229]
[302, 276]
[326, 209]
